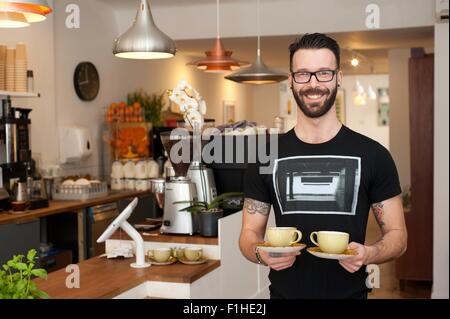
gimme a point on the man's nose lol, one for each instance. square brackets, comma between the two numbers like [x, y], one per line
[313, 81]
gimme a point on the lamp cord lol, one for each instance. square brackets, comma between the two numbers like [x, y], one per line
[259, 31]
[218, 20]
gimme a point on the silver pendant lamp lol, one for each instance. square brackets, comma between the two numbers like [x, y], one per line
[258, 73]
[144, 40]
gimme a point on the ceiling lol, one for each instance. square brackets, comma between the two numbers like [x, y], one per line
[371, 46]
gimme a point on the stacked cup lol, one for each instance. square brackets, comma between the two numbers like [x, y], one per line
[21, 68]
[10, 69]
[2, 67]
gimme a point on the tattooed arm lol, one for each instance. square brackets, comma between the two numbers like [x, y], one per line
[254, 222]
[390, 217]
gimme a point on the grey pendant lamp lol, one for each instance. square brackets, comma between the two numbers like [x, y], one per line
[258, 73]
[144, 40]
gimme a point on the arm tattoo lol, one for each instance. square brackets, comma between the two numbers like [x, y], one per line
[378, 211]
[253, 206]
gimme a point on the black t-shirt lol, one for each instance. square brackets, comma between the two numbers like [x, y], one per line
[327, 186]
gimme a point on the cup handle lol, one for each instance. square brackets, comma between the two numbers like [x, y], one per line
[312, 238]
[150, 253]
[299, 237]
[199, 254]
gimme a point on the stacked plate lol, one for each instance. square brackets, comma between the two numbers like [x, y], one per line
[2, 67]
[21, 68]
[10, 69]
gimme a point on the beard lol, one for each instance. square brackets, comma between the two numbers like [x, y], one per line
[319, 109]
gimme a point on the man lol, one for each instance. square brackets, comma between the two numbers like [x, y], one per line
[326, 177]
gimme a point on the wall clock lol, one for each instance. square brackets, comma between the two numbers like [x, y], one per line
[86, 81]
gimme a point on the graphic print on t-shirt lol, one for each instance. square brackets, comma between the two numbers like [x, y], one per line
[317, 184]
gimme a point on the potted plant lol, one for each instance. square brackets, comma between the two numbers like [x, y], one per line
[209, 213]
[15, 278]
[152, 105]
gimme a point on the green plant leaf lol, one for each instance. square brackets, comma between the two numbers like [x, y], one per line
[31, 254]
[21, 266]
[41, 273]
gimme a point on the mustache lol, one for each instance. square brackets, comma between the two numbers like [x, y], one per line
[314, 91]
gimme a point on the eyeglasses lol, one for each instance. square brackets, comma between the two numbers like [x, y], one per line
[303, 77]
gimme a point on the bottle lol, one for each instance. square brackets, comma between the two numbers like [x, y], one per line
[30, 81]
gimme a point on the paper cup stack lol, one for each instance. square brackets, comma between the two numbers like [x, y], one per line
[21, 68]
[2, 67]
[10, 69]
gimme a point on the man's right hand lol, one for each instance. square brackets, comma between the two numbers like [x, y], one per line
[278, 261]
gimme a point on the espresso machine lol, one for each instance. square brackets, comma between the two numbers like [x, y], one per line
[177, 188]
[16, 164]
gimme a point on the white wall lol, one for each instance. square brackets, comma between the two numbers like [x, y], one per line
[441, 160]
[93, 42]
[364, 119]
[399, 113]
[39, 39]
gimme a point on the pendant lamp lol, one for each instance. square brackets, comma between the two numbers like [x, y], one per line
[258, 73]
[32, 10]
[144, 40]
[13, 20]
[218, 60]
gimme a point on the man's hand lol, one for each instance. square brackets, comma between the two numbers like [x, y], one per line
[354, 264]
[278, 261]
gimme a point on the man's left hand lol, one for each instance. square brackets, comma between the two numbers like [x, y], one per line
[354, 264]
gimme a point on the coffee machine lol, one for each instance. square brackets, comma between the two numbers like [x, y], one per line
[178, 188]
[16, 164]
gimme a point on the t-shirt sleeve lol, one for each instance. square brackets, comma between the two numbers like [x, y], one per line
[385, 182]
[254, 185]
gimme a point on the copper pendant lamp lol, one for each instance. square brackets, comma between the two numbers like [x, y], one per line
[218, 60]
[32, 10]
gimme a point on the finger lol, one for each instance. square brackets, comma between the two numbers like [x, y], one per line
[282, 266]
[347, 267]
[280, 261]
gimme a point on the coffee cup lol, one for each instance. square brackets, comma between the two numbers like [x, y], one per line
[178, 252]
[129, 170]
[331, 242]
[193, 253]
[161, 255]
[283, 236]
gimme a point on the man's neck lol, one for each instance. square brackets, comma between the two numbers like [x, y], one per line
[317, 130]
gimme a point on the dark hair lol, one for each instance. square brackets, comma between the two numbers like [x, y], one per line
[315, 41]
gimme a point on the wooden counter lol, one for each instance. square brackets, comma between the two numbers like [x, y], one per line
[156, 236]
[107, 278]
[57, 207]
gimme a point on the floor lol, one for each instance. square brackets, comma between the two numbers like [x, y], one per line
[389, 284]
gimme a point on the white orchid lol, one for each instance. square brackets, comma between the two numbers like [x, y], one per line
[191, 103]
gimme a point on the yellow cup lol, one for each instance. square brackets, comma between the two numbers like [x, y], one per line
[160, 254]
[283, 236]
[193, 253]
[331, 242]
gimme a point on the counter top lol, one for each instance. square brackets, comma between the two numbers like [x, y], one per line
[56, 207]
[156, 236]
[108, 278]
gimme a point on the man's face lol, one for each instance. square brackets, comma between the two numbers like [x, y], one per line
[314, 98]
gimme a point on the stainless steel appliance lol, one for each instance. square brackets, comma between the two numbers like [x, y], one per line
[99, 218]
[15, 154]
[178, 188]
[203, 178]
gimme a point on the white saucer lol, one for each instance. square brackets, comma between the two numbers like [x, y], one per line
[189, 262]
[285, 249]
[318, 253]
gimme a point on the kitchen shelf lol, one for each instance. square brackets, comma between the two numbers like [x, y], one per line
[11, 94]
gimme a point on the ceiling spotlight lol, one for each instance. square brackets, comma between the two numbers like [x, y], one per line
[355, 62]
